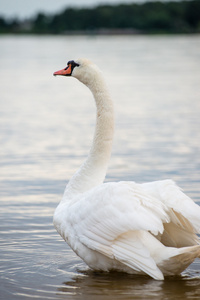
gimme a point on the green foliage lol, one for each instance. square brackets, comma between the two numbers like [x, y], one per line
[8, 26]
[149, 17]
[41, 24]
[192, 14]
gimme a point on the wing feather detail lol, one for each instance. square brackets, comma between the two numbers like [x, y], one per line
[110, 218]
[130, 250]
[182, 210]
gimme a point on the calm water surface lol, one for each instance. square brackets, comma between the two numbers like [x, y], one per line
[46, 128]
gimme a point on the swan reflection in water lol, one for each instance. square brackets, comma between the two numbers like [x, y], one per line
[115, 285]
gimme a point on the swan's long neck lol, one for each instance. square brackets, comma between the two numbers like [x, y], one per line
[92, 172]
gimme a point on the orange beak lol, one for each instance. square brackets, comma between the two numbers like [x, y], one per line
[65, 72]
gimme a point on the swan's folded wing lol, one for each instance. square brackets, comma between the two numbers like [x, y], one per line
[183, 211]
[188, 211]
[114, 208]
[110, 212]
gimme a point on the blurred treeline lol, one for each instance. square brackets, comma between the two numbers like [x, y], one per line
[149, 17]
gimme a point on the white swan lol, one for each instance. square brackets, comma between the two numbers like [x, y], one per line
[145, 228]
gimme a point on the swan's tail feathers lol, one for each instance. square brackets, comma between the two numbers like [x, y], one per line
[143, 252]
[130, 251]
[179, 260]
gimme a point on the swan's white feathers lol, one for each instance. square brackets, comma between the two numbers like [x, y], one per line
[138, 228]
[114, 208]
[109, 219]
[176, 236]
[129, 249]
[183, 211]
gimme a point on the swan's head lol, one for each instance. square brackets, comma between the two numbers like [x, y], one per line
[82, 69]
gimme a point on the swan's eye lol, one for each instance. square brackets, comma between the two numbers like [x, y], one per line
[73, 64]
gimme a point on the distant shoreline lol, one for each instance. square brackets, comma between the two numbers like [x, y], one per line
[100, 33]
[173, 17]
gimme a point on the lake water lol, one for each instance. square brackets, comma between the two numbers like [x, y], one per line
[46, 128]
